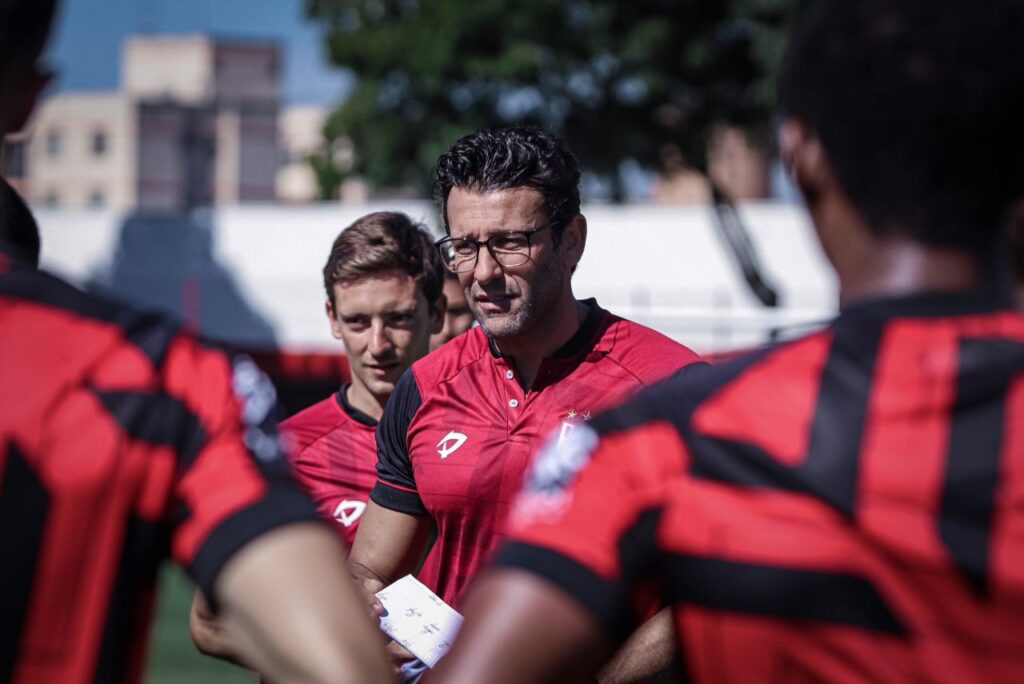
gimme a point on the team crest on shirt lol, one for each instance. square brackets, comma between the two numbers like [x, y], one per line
[569, 423]
[545, 496]
[258, 400]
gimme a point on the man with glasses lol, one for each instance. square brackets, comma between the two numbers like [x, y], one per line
[456, 437]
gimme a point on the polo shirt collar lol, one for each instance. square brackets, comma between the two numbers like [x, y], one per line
[583, 340]
[352, 412]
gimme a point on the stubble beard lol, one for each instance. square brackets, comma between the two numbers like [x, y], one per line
[531, 315]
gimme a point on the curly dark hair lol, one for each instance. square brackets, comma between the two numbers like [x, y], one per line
[918, 105]
[522, 157]
[385, 241]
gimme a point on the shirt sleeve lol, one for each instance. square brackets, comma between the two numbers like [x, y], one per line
[233, 482]
[396, 484]
[588, 516]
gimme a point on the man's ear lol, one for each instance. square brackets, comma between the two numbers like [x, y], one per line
[332, 317]
[804, 158]
[573, 241]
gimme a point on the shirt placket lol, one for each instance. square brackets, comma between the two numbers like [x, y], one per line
[513, 396]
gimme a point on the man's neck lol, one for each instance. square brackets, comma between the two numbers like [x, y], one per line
[901, 267]
[361, 399]
[527, 353]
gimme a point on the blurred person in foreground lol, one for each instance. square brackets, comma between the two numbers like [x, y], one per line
[458, 317]
[456, 436]
[848, 506]
[124, 440]
[383, 280]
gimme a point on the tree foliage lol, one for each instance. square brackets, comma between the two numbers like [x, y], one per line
[618, 79]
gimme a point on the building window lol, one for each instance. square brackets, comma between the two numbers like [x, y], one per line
[53, 144]
[97, 200]
[99, 143]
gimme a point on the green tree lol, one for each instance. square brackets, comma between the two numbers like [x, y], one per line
[619, 80]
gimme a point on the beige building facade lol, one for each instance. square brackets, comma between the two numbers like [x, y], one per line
[194, 124]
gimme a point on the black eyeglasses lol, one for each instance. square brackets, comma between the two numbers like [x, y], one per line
[508, 249]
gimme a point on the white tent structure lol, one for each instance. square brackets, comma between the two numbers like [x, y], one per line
[251, 274]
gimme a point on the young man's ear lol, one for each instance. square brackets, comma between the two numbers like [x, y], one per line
[438, 310]
[332, 317]
[573, 241]
[804, 157]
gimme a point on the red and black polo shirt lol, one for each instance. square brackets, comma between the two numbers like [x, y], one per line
[333, 450]
[457, 433]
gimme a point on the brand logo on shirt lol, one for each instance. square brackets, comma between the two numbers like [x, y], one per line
[450, 443]
[348, 512]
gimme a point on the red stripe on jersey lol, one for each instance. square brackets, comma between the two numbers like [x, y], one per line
[906, 435]
[188, 360]
[777, 387]
[1008, 527]
[128, 368]
[395, 486]
[211, 498]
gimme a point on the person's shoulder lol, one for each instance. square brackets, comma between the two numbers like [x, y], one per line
[749, 382]
[647, 353]
[95, 323]
[450, 359]
[313, 422]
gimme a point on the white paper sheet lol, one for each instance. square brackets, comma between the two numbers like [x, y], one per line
[418, 619]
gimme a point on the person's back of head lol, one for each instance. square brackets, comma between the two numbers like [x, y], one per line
[17, 225]
[523, 157]
[918, 106]
[24, 27]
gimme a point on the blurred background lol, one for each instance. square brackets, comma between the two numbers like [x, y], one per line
[199, 158]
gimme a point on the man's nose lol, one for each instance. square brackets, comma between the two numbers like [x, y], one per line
[487, 267]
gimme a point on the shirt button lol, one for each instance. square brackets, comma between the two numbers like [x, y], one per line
[509, 374]
[513, 403]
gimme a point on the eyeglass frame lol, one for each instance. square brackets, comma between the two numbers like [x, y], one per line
[439, 244]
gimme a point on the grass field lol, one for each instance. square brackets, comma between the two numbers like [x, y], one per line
[172, 657]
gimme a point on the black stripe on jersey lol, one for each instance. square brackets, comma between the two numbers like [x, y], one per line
[781, 593]
[985, 369]
[741, 464]
[608, 600]
[833, 459]
[144, 543]
[151, 333]
[24, 503]
[283, 504]
[156, 418]
[395, 499]
[394, 466]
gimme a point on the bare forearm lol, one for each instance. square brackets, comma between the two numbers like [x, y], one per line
[292, 612]
[649, 655]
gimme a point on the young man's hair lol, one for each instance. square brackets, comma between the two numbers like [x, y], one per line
[17, 225]
[385, 241]
[524, 157]
[919, 106]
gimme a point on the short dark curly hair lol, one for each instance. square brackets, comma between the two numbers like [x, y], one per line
[521, 157]
[385, 241]
[919, 106]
